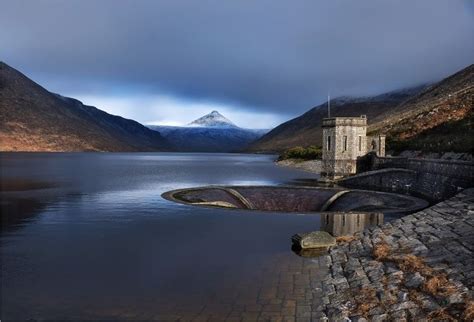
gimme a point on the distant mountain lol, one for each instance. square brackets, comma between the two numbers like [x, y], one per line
[33, 119]
[211, 133]
[213, 119]
[433, 118]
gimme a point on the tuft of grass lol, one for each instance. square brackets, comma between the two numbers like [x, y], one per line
[416, 297]
[345, 239]
[412, 263]
[382, 251]
[366, 300]
[438, 285]
[468, 314]
[441, 315]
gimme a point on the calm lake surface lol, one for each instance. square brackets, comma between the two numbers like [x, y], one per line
[97, 240]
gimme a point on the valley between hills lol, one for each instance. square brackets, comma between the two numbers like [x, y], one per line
[433, 118]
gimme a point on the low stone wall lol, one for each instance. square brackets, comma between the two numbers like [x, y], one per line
[394, 180]
[430, 178]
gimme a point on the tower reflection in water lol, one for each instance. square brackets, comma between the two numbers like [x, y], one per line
[341, 224]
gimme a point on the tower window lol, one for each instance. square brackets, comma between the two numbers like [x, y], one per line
[328, 146]
[360, 143]
[345, 143]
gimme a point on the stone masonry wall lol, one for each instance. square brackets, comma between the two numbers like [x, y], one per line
[431, 178]
[390, 180]
[376, 144]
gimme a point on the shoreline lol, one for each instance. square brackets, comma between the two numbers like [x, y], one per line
[418, 267]
[313, 166]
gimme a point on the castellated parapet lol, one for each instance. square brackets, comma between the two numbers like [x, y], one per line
[344, 139]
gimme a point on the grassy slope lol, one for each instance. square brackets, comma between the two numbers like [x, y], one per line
[434, 118]
[33, 119]
[437, 120]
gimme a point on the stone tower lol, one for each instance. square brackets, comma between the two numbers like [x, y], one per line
[344, 140]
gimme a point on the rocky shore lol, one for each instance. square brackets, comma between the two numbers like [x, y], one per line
[313, 166]
[417, 268]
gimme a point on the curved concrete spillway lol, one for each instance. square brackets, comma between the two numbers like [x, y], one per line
[297, 199]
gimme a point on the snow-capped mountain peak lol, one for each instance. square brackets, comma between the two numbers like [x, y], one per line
[213, 119]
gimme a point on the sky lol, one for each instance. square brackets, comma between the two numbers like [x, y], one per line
[259, 63]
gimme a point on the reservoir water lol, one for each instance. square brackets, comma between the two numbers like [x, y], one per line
[88, 236]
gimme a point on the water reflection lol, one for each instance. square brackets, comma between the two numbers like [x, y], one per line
[21, 199]
[104, 245]
[15, 210]
[341, 224]
[310, 182]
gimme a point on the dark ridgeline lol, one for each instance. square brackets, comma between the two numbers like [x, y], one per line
[33, 119]
[432, 117]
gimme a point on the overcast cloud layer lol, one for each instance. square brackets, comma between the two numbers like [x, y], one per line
[258, 62]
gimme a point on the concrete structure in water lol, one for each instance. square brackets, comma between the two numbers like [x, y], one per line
[344, 140]
[348, 223]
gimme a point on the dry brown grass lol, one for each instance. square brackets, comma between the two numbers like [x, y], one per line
[345, 239]
[440, 315]
[382, 251]
[366, 300]
[468, 314]
[438, 285]
[412, 263]
[416, 297]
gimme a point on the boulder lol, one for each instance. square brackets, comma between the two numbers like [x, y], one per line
[315, 239]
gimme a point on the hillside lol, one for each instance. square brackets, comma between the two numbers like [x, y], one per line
[33, 119]
[306, 130]
[434, 118]
[210, 133]
[439, 119]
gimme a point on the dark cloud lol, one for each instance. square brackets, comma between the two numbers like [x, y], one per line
[271, 56]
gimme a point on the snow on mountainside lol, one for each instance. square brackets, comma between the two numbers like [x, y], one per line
[393, 96]
[211, 133]
[211, 120]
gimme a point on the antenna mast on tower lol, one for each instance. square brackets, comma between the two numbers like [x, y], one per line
[329, 105]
